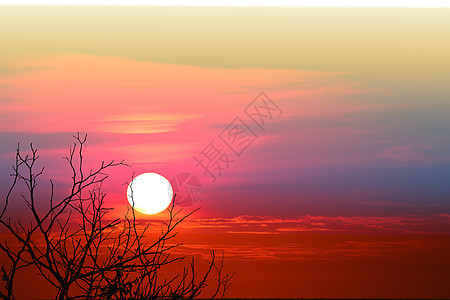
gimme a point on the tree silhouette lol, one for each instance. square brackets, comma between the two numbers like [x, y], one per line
[83, 253]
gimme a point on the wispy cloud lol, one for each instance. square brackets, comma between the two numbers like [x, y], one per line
[327, 249]
[406, 155]
[259, 225]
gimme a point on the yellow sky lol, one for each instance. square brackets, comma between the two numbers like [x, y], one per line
[388, 47]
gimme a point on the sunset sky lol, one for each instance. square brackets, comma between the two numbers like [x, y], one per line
[344, 190]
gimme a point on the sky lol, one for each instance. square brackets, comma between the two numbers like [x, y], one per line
[237, 3]
[339, 186]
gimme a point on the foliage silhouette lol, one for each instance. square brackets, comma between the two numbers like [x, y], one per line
[83, 253]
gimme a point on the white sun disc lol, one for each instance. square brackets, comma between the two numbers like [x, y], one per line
[149, 193]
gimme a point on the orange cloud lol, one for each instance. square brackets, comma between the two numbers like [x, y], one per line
[264, 225]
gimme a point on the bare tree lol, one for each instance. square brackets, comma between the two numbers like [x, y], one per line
[83, 253]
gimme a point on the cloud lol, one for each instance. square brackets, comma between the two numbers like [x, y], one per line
[265, 225]
[408, 154]
[326, 250]
[144, 122]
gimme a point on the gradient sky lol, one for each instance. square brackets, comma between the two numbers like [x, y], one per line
[346, 194]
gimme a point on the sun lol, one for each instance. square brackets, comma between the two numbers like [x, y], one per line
[149, 193]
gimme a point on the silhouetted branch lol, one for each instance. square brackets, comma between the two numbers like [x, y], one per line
[82, 253]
